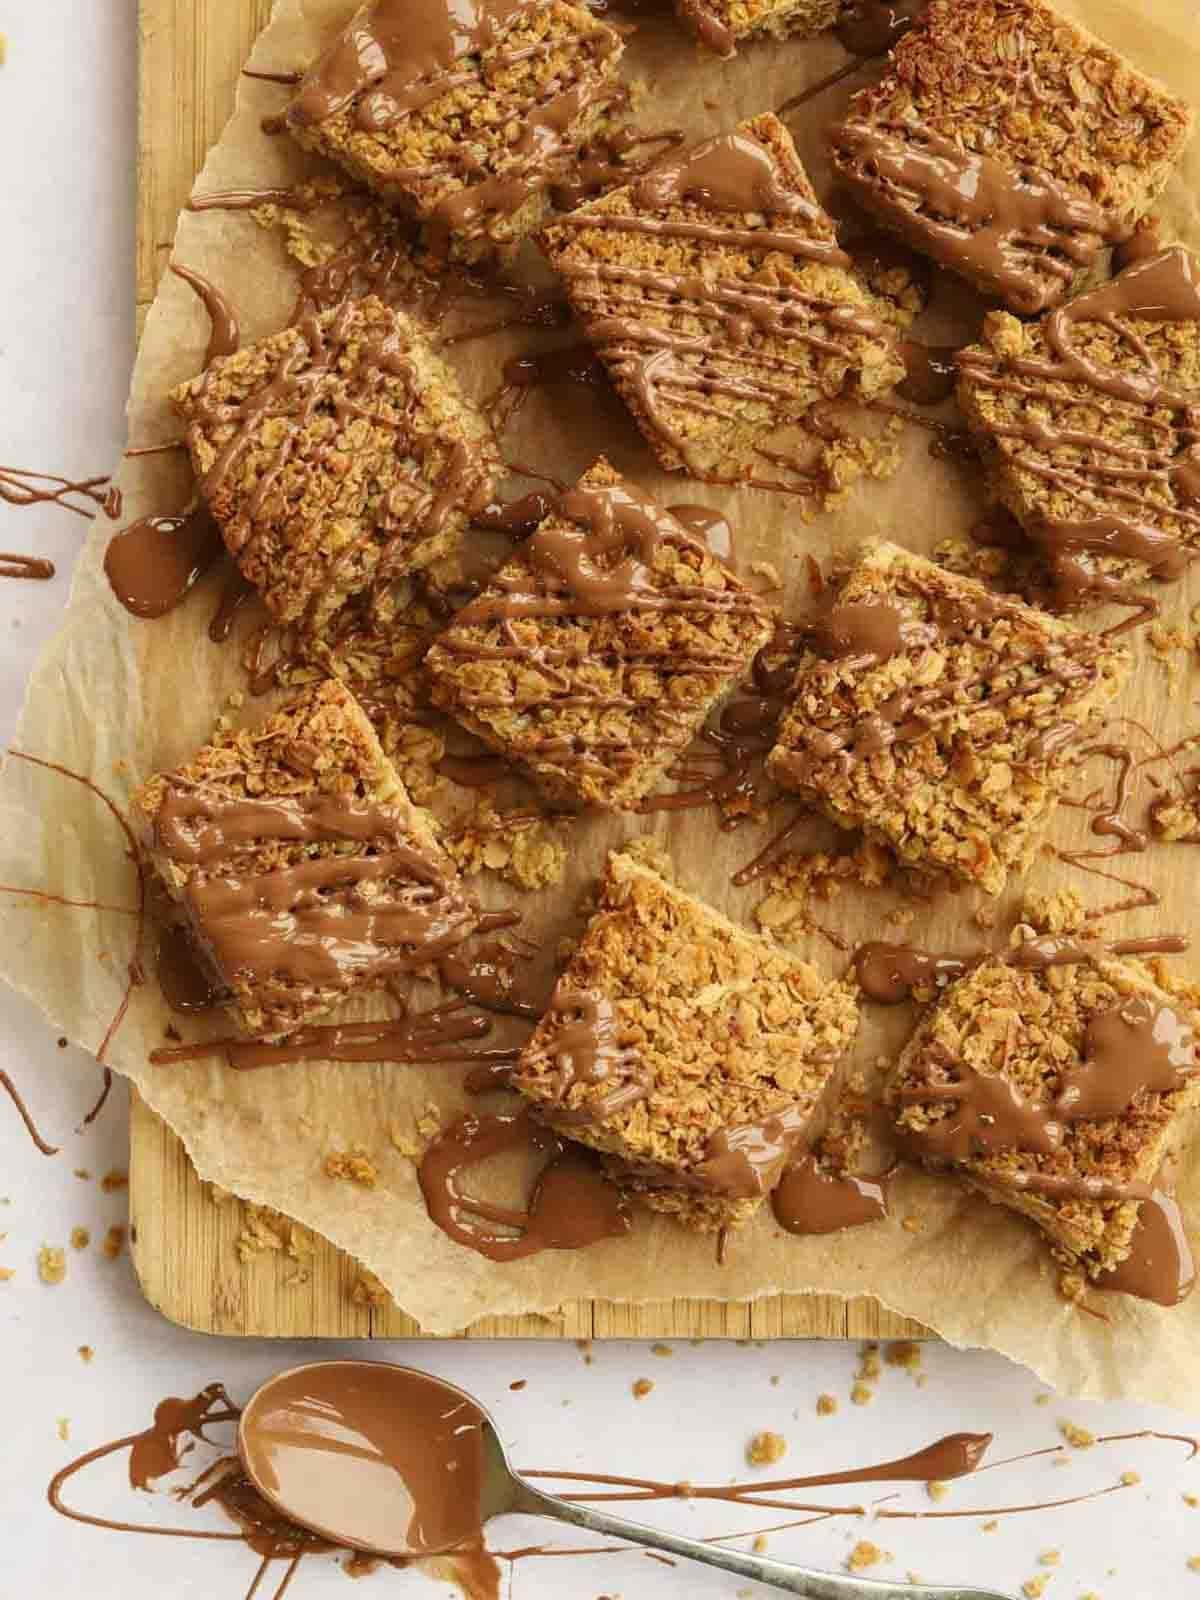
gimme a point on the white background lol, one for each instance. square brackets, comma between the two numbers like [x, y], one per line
[67, 173]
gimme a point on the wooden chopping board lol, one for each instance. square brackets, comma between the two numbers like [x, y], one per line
[184, 1245]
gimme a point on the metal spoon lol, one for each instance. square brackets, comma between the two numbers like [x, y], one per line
[390, 1460]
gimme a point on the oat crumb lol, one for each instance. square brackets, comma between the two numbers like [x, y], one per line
[1034, 1588]
[760, 1544]
[864, 1555]
[82, 1172]
[80, 1238]
[404, 1141]
[354, 1165]
[1191, 1500]
[114, 1180]
[904, 1353]
[114, 1242]
[862, 1394]
[1130, 1478]
[1194, 1563]
[1050, 1558]
[661, 1350]
[1078, 1438]
[642, 1388]
[7, 1273]
[912, 1224]
[826, 1405]
[765, 1449]
[990, 1527]
[85, 1353]
[64, 1428]
[52, 1264]
[1042, 1399]
[936, 1490]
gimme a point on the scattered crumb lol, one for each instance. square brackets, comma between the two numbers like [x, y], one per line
[1191, 1500]
[826, 1405]
[765, 1449]
[114, 1180]
[870, 1366]
[1077, 1438]
[82, 1172]
[864, 1555]
[661, 1350]
[404, 1141]
[862, 1394]
[6, 1273]
[518, 1385]
[1130, 1478]
[912, 1224]
[80, 1238]
[936, 1490]
[114, 1242]
[429, 1123]
[760, 1544]
[1050, 1558]
[642, 1388]
[990, 1527]
[368, 1290]
[52, 1264]
[904, 1353]
[85, 1353]
[768, 572]
[1194, 1563]
[354, 1165]
[1034, 1588]
[1042, 1399]
[64, 1428]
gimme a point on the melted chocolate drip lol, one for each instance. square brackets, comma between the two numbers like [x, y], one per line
[19, 487]
[930, 373]
[35, 568]
[573, 1205]
[23, 1112]
[709, 527]
[888, 973]
[810, 1200]
[155, 563]
[226, 337]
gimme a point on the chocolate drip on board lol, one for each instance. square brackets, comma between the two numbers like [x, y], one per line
[14, 1094]
[19, 487]
[808, 1199]
[154, 563]
[888, 973]
[572, 1206]
[31, 568]
[226, 336]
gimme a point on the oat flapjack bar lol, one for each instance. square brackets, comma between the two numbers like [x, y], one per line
[1010, 145]
[1052, 1080]
[461, 115]
[597, 652]
[721, 25]
[304, 871]
[689, 1051]
[934, 715]
[336, 455]
[1086, 423]
[715, 293]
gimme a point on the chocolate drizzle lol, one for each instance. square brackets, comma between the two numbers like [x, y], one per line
[36, 568]
[23, 1112]
[587, 1054]
[572, 1205]
[1012, 231]
[21, 488]
[330, 921]
[1122, 492]
[684, 197]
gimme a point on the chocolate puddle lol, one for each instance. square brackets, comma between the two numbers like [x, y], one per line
[155, 563]
[809, 1200]
[888, 973]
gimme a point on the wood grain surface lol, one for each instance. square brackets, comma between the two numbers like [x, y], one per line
[184, 1244]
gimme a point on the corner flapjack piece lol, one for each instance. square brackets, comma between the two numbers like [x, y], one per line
[1052, 1080]
[596, 653]
[722, 25]
[1009, 144]
[934, 715]
[1087, 425]
[715, 293]
[336, 455]
[303, 870]
[689, 1051]
[462, 115]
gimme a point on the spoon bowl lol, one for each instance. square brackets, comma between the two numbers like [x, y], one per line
[392, 1461]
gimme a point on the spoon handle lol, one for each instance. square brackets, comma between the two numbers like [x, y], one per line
[779, 1574]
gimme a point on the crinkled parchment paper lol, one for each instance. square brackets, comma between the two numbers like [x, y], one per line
[116, 698]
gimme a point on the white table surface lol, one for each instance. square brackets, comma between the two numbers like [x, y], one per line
[67, 132]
